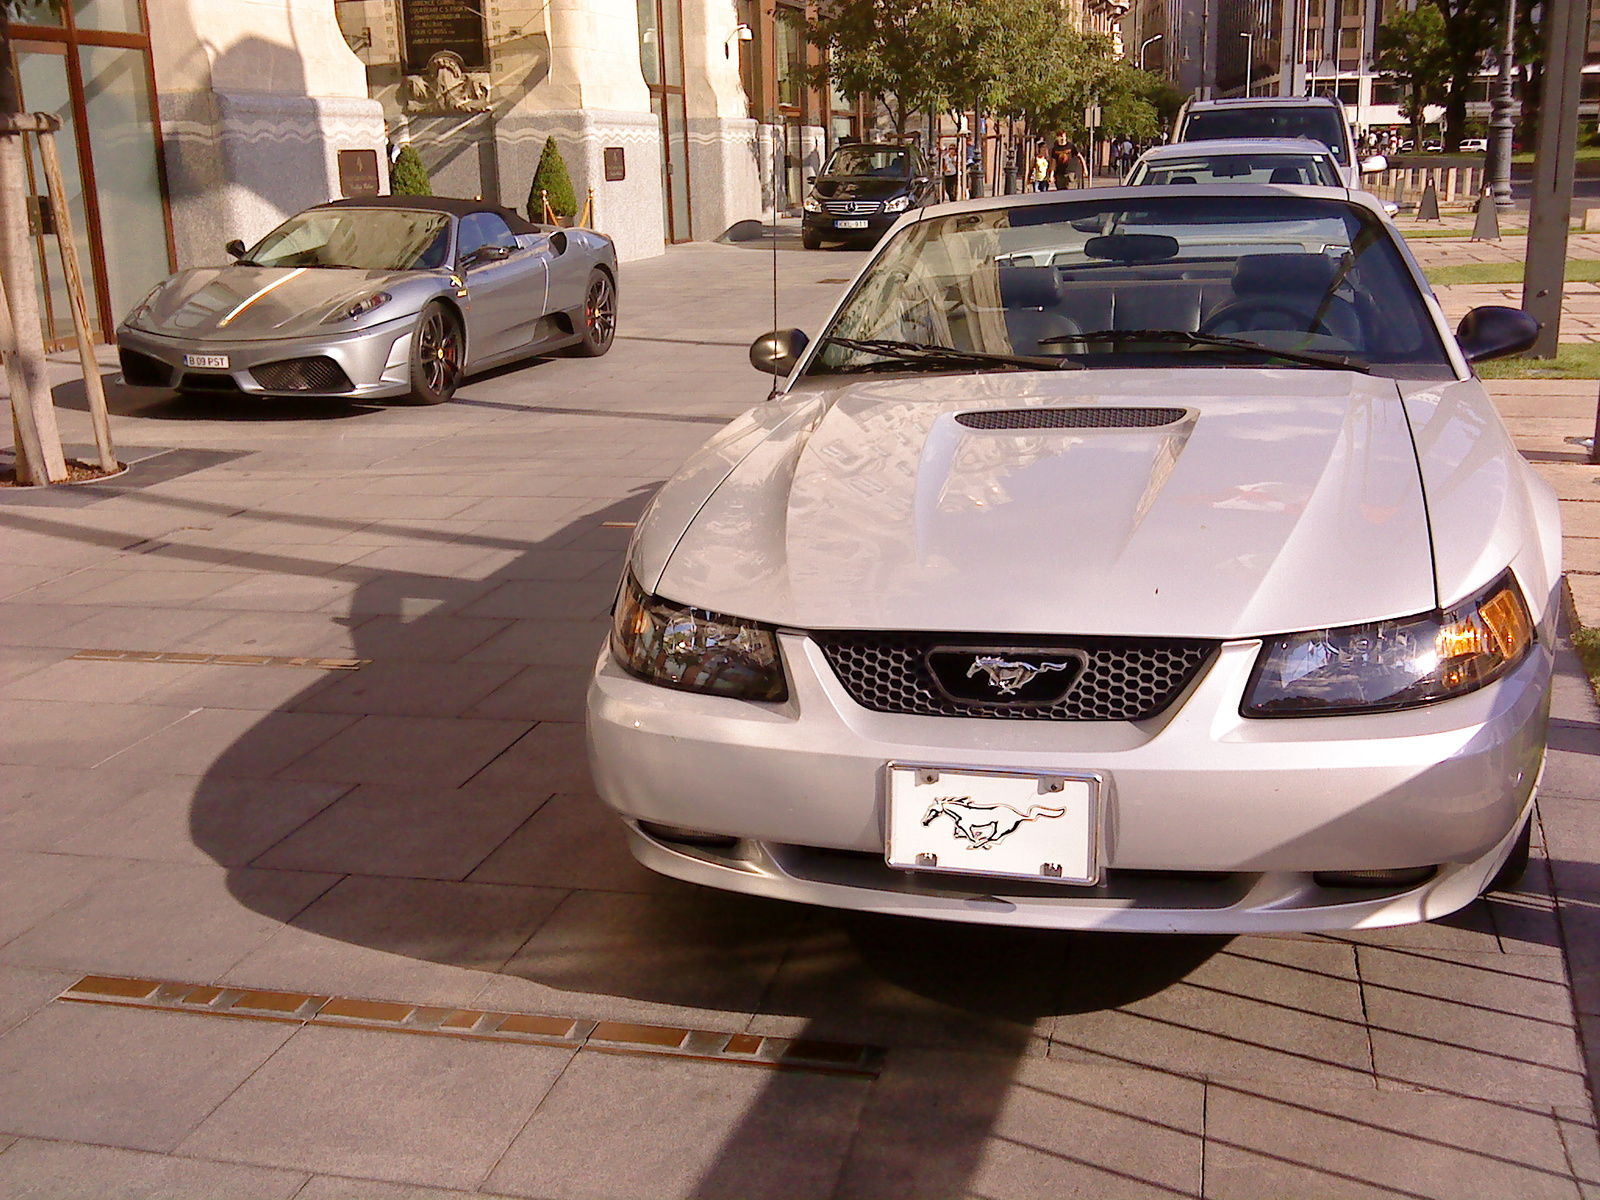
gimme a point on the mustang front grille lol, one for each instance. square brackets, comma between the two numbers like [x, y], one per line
[316, 374]
[1121, 679]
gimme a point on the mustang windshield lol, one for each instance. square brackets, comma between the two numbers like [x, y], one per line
[1202, 280]
[368, 239]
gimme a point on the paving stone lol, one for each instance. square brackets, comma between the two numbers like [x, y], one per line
[335, 1187]
[437, 639]
[554, 757]
[1273, 1141]
[616, 1127]
[234, 743]
[38, 1170]
[416, 689]
[545, 643]
[23, 991]
[571, 841]
[410, 1109]
[55, 733]
[1262, 1008]
[122, 1076]
[165, 920]
[1496, 1026]
[423, 941]
[426, 751]
[33, 886]
[41, 805]
[425, 833]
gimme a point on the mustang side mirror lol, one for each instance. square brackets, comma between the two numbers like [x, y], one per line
[235, 248]
[1494, 331]
[777, 352]
[1374, 165]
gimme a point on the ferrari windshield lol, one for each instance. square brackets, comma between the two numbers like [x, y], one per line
[1316, 170]
[1319, 122]
[367, 239]
[1146, 280]
[882, 161]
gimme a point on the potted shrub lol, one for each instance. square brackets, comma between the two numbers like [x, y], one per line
[409, 177]
[552, 185]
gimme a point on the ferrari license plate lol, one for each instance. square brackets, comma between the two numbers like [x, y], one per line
[219, 361]
[996, 823]
[850, 224]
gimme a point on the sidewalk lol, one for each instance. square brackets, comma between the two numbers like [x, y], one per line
[294, 929]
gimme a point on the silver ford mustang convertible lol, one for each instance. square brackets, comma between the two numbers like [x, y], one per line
[393, 297]
[1149, 559]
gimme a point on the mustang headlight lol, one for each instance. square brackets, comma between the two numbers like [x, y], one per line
[359, 309]
[898, 204]
[698, 651]
[1393, 664]
[811, 204]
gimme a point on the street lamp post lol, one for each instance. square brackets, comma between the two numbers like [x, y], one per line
[1145, 45]
[1501, 121]
[1249, 60]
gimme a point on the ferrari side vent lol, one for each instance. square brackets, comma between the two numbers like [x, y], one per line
[140, 370]
[1071, 418]
[316, 374]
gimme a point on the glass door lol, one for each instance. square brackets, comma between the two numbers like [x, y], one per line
[661, 60]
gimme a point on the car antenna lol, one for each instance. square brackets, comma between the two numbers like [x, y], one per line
[777, 129]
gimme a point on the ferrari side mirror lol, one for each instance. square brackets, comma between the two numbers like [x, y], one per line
[235, 249]
[1494, 331]
[558, 243]
[777, 352]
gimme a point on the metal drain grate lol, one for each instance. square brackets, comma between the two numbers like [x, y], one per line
[185, 658]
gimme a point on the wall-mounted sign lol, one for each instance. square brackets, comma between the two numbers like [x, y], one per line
[616, 164]
[358, 173]
[432, 27]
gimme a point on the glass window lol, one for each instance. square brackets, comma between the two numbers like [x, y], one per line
[483, 229]
[1321, 123]
[368, 239]
[1145, 282]
[35, 12]
[116, 95]
[1316, 170]
[886, 161]
[672, 43]
[649, 42]
[791, 56]
[118, 16]
[42, 74]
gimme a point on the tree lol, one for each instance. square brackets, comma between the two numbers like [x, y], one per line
[551, 178]
[409, 177]
[1469, 33]
[1413, 55]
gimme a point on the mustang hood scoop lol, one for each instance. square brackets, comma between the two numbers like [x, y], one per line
[1246, 503]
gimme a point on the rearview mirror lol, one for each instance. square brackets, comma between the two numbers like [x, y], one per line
[1374, 165]
[777, 352]
[1494, 331]
[235, 248]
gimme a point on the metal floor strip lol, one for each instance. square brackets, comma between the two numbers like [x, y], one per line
[616, 1037]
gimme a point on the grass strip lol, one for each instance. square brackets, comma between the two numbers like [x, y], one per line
[1574, 360]
[1579, 270]
[1586, 642]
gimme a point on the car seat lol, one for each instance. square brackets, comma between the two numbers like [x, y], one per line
[1029, 296]
[1286, 175]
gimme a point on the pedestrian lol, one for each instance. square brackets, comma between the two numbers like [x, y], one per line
[949, 163]
[1041, 168]
[1072, 166]
[1061, 155]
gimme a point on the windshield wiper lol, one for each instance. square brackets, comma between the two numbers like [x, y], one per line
[1310, 358]
[926, 354]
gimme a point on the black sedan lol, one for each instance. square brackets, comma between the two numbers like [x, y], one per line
[862, 190]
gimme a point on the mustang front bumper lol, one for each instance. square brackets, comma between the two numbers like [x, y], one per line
[1212, 822]
[372, 363]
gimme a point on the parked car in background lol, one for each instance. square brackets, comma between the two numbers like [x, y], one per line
[1433, 146]
[388, 297]
[863, 189]
[1187, 582]
[1475, 145]
[1317, 118]
[1237, 160]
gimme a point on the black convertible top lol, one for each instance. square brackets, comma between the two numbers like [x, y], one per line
[444, 204]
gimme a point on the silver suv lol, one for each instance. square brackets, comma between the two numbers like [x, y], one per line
[1319, 118]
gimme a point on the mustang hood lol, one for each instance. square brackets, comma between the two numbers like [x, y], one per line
[242, 303]
[1262, 502]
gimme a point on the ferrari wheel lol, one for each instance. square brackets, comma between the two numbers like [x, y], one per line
[437, 354]
[599, 315]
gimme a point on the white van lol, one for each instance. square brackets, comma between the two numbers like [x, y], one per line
[1318, 118]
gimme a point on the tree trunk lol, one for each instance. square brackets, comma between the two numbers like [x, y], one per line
[39, 440]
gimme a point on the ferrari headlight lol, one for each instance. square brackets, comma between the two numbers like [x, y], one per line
[898, 204]
[359, 309]
[1393, 664]
[698, 651]
[811, 204]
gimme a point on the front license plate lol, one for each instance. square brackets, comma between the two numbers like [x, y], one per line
[850, 224]
[996, 823]
[206, 360]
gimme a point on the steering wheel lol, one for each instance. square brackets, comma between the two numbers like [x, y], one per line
[1287, 313]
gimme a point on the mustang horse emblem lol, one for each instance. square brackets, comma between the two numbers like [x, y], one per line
[1007, 676]
[983, 825]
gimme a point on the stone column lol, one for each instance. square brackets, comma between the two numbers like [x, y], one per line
[724, 157]
[256, 101]
[592, 97]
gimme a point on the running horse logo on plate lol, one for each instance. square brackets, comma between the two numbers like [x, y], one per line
[1007, 676]
[985, 825]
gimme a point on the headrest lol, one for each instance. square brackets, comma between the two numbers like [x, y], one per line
[1299, 274]
[1285, 175]
[1029, 287]
[1181, 179]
